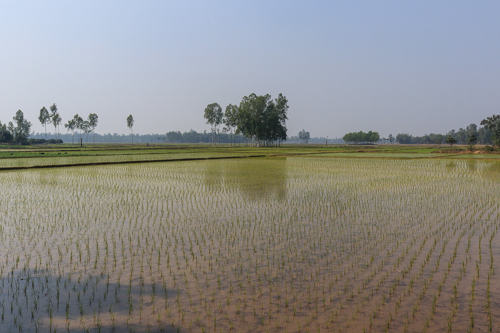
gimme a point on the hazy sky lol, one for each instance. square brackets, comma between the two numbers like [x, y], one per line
[387, 66]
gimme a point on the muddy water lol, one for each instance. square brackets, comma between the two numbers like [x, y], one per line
[275, 244]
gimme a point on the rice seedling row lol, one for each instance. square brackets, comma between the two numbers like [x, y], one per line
[273, 244]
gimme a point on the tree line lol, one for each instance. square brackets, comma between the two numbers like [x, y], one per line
[18, 132]
[259, 118]
[488, 134]
[361, 137]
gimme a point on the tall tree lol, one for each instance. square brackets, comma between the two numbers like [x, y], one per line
[54, 116]
[493, 125]
[362, 137]
[78, 123]
[281, 109]
[44, 118]
[472, 141]
[304, 136]
[56, 120]
[21, 130]
[86, 128]
[231, 119]
[5, 134]
[130, 125]
[450, 140]
[213, 115]
[93, 119]
[70, 126]
[263, 120]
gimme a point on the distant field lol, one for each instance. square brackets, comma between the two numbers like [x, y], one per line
[60, 155]
[384, 155]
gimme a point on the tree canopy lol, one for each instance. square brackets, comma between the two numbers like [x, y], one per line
[450, 140]
[44, 118]
[493, 125]
[259, 118]
[214, 116]
[21, 129]
[304, 136]
[130, 124]
[361, 137]
[55, 117]
[262, 119]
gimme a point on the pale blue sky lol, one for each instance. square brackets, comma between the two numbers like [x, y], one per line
[387, 66]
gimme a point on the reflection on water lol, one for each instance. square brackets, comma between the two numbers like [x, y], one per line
[472, 165]
[492, 171]
[255, 178]
[450, 165]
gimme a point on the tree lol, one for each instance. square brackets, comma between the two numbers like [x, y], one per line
[86, 129]
[484, 135]
[372, 137]
[79, 124]
[44, 118]
[450, 140]
[361, 137]
[173, 136]
[258, 118]
[56, 119]
[70, 126]
[404, 138]
[391, 138]
[231, 119]
[251, 117]
[279, 124]
[5, 134]
[472, 141]
[22, 127]
[471, 130]
[304, 136]
[493, 125]
[93, 119]
[213, 114]
[130, 124]
[262, 119]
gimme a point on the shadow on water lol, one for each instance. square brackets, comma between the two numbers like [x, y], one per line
[254, 178]
[39, 301]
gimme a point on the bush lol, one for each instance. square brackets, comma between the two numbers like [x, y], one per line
[489, 148]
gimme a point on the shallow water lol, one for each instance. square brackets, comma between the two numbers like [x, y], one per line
[267, 244]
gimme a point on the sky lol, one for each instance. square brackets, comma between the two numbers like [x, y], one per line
[413, 67]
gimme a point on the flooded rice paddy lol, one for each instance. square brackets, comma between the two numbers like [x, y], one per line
[290, 244]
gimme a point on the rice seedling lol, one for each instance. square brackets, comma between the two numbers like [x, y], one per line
[271, 244]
